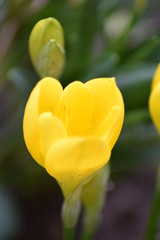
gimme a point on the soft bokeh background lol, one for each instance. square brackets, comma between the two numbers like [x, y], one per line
[103, 39]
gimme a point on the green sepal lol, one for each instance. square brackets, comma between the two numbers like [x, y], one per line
[50, 60]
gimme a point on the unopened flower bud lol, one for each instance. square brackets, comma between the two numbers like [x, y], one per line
[46, 47]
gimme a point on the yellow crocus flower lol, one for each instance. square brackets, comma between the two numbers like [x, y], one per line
[154, 99]
[71, 132]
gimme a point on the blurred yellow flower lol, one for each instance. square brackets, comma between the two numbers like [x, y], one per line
[71, 132]
[140, 6]
[154, 99]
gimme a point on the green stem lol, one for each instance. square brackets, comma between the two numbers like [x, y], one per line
[154, 215]
[93, 203]
[70, 214]
[90, 21]
[68, 234]
[86, 236]
[120, 43]
[91, 221]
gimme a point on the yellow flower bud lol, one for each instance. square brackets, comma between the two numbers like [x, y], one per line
[46, 47]
[154, 99]
[71, 132]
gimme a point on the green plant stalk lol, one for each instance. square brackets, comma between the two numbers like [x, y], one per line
[155, 211]
[94, 216]
[68, 233]
[70, 213]
[119, 45]
[86, 236]
[93, 199]
[90, 19]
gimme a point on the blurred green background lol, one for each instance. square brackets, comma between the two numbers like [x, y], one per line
[103, 38]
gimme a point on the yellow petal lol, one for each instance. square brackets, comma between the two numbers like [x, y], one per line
[30, 124]
[51, 129]
[72, 160]
[50, 93]
[156, 78]
[111, 126]
[44, 97]
[106, 96]
[154, 106]
[76, 108]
